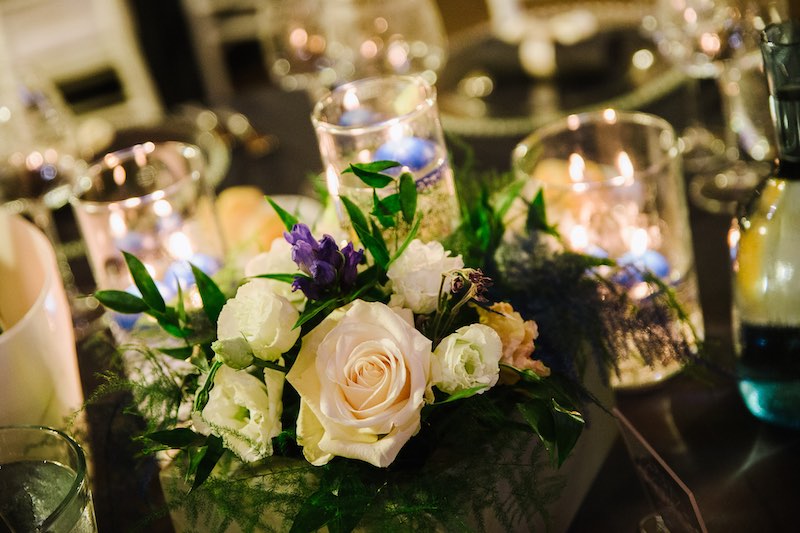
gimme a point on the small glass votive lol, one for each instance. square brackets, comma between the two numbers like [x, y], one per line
[391, 118]
[152, 201]
[613, 185]
[43, 482]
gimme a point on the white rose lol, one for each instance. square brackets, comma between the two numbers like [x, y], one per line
[417, 275]
[363, 376]
[244, 411]
[467, 358]
[278, 260]
[262, 317]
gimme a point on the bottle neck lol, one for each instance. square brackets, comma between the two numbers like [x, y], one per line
[786, 109]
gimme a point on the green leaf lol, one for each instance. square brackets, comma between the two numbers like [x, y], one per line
[408, 197]
[376, 247]
[213, 299]
[462, 394]
[208, 460]
[357, 218]
[379, 250]
[381, 212]
[170, 326]
[181, 309]
[121, 301]
[537, 216]
[288, 219]
[392, 203]
[371, 178]
[410, 237]
[176, 438]
[260, 363]
[201, 398]
[538, 415]
[144, 282]
[313, 310]
[510, 194]
[183, 352]
[568, 427]
[374, 166]
[339, 504]
[286, 278]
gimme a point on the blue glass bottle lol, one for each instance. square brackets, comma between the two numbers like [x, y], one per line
[766, 252]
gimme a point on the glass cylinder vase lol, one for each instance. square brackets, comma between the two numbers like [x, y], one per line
[612, 183]
[392, 118]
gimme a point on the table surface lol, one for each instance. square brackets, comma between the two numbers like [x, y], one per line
[742, 472]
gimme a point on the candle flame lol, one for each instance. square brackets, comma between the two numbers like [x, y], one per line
[577, 166]
[162, 208]
[116, 222]
[350, 100]
[579, 237]
[610, 116]
[625, 166]
[179, 245]
[639, 242]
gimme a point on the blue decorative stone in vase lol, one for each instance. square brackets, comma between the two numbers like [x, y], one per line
[413, 152]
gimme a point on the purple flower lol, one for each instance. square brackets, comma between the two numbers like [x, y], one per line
[330, 270]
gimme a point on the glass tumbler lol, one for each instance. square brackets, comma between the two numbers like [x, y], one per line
[391, 118]
[613, 185]
[152, 201]
[43, 482]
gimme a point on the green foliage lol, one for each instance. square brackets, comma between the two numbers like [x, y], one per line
[288, 219]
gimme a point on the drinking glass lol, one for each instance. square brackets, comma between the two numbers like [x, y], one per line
[43, 482]
[613, 184]
[387, 118]
[718, 40]
[39, 158]
[316, 44]
[151, 200]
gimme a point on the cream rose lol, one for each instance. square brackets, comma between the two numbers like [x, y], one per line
[363, 376]
[517, 336]
[417, 275]
[468, 358]
[244, 411]
[262, 317]
[278, 260]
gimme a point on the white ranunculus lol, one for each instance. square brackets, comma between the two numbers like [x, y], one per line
[278, 260]
[262, 317]
[244, 411]
[468, 358]
[363, 375]
[417, 275]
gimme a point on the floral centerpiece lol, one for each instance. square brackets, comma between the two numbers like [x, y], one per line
[392, 383]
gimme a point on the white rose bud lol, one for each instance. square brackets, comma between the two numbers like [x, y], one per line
[263, 318]
[468, 358]
[244, 411]
[234, 352]
[417, 275]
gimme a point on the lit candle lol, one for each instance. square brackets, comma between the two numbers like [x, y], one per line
[641, 259]
[579, 241]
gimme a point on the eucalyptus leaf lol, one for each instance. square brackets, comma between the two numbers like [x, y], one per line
[288, 219]
[121, 301]
[408, 197]
[212, 296]
[144, 282]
